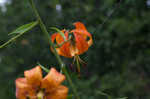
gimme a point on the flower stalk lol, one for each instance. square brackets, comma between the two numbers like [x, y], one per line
[62, 65]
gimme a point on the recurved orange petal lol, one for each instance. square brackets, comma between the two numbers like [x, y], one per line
[59, 39]
[34, 76]
[59, 93]
[80, 26]
[65, 50]
[81, 29]
[53, 37]
[81, 43]
[85, 35]
[82, 32]
[52, 80]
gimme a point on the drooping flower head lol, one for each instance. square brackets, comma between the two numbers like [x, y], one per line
[33, 86]
[79, 43]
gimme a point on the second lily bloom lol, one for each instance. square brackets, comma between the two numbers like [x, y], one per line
[79, 43]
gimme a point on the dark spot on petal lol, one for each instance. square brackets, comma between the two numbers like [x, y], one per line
[88, 38]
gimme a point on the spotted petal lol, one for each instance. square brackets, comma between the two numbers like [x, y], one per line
[81, 44]
[59, 93]
[52, 80]
[34, 76]
[23, 90]
[64, 50]
[81, 29]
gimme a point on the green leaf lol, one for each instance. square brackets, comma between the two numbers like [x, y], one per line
[20, 31]
[59, 31]
[24, 28]
[45, 69]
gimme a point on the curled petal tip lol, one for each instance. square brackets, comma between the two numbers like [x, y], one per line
[53, 79]
[34, 76]
[77, 23]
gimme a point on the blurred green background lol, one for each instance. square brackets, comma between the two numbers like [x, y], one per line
[118, 62]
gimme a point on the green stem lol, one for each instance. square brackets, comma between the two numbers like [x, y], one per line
[43, 28]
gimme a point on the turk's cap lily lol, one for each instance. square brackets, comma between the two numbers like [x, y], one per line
[33, 85]
[80, 42]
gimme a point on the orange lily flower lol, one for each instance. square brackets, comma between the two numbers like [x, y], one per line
[79, 43]
[33, 86]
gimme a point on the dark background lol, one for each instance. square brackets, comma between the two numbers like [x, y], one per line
[118, 62]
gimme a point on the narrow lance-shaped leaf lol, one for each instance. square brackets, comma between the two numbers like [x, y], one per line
[60, 32]
[20, 31]
[24, 28]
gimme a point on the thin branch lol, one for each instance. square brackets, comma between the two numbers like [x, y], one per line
[109, 16]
